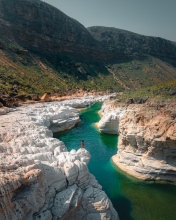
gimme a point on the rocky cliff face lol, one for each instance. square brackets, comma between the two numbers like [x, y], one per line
[128, 44]
[39, 178]
[147, 139]
[43, 29]
[109, 122]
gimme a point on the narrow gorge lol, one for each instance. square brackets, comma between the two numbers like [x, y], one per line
[128, 195]
[147, 138]
[61, 83]
[40, 178]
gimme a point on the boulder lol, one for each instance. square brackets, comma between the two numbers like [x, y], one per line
[45, 97]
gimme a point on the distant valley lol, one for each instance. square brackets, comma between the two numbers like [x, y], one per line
[43, 50]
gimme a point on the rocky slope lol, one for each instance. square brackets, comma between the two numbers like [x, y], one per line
[147, 138]
[43, 29]
[128, 44]
[39, 178]
[44, 50]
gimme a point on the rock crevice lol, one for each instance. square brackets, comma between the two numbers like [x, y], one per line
[147, 138]
[39, 178]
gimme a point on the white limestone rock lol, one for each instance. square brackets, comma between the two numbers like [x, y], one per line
[109, 122]
[147, 139]
[63, 201]
[83, 174]
[97, 204]
[71, 172]
[84, 155]
[37, 173]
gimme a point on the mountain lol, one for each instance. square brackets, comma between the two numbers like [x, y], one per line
[43, 29]
[44, 50]
[128, 44]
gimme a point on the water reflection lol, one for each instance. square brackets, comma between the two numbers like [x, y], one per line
[133, 199]
[109, 140]
[124, 205]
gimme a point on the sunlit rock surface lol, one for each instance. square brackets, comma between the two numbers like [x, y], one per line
[109, 122]
[39, 178]
[147, 138]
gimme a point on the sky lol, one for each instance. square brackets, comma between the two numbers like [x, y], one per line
[148, 17]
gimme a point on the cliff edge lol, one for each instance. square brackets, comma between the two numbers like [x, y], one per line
[39, 178]
[147, 138]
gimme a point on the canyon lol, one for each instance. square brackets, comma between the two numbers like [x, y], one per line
[39, 178]
[147, 137]
[44, 51]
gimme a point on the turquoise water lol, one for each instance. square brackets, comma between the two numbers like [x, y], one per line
[131, 198]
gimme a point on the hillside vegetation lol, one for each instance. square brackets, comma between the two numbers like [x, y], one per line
[165, 91]
[125, 44]
[43, 50]
[23, 72]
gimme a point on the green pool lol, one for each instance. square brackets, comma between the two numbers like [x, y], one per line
[131, 198]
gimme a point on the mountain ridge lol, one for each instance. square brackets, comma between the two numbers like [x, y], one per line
[130, 43]
[59, 55]
[133, 32]
[34, 26]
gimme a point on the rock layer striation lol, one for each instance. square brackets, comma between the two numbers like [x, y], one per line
[147, 138]
[39, 178]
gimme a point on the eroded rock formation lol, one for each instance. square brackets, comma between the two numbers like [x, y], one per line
[109, 123]
[147, 138]
[39, 178]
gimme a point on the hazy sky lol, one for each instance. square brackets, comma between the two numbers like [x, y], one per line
[147, 17]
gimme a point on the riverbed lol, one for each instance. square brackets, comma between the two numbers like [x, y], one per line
[133, 199]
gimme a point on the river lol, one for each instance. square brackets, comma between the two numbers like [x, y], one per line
[133, 199]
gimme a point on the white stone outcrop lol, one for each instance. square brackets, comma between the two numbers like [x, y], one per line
[39, 178]
[147, 139]
[109, 122]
